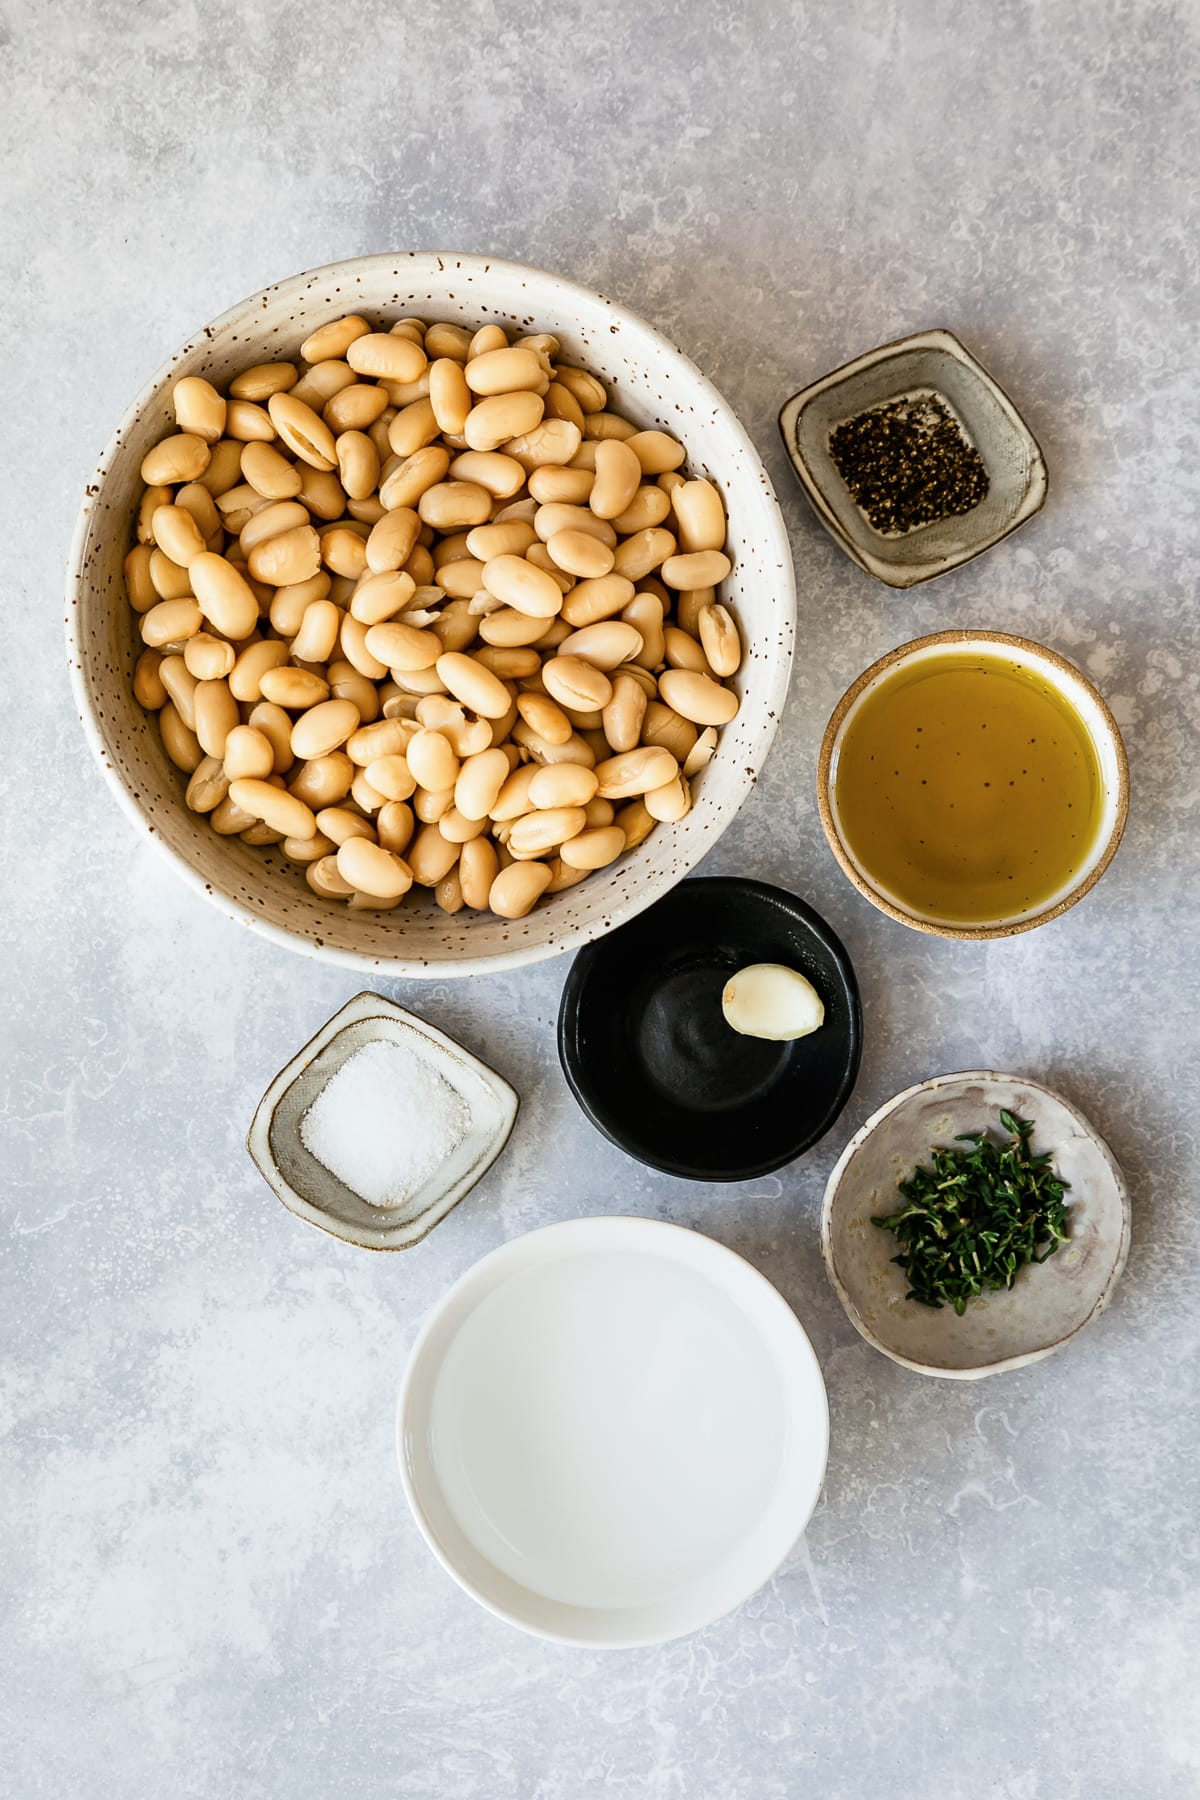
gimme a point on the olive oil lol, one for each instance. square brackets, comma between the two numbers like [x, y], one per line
[968, 788]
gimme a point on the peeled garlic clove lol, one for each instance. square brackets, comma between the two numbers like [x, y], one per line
[769, 1000]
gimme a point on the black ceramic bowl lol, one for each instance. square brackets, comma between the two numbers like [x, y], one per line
[648, 1055]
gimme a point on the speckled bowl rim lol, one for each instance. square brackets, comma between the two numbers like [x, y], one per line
[770, 701]
[902, 577]
[902, 653]
[1003, 1364]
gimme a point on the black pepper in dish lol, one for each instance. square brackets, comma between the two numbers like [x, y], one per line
[908, 464]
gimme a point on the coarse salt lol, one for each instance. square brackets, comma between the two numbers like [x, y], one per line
[384, 1123]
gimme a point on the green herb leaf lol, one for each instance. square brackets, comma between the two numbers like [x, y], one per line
[977, 1217]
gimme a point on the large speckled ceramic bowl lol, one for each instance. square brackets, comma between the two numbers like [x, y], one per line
[1049, 1303]
[653, 384]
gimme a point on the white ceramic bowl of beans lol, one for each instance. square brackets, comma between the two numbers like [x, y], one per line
[650, 383]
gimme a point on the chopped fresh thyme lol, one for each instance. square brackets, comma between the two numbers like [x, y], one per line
[977, 1217]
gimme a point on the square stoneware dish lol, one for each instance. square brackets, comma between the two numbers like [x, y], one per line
[652, 384]
[312, 1191]
[929, 362]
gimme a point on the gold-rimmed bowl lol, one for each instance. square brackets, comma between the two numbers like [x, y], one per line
[1083, 699]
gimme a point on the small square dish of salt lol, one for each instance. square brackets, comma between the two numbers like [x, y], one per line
[379, 1126]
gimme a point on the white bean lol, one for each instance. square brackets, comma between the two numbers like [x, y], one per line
[420, 607]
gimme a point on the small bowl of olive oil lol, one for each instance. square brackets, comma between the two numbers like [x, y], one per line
[973, 785]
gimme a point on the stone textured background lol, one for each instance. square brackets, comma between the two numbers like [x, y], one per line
[208, 1582]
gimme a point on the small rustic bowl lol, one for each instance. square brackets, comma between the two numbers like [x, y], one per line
[648, 1055]
[312, 1191]
[653, 384]
[929, 361]
[1048, 1304]
[1098, 721]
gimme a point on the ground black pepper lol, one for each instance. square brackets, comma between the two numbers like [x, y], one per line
[908, 464]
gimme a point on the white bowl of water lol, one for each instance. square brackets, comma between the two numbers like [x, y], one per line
[612, 1431]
